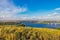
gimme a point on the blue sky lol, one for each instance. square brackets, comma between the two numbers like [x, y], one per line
[30, 9]
[35, 5]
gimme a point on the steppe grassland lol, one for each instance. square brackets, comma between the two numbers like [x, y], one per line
[11, 32]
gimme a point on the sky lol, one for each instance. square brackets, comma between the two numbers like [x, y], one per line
[29, 9]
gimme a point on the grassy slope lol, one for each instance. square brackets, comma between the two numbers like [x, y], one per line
[28, 33]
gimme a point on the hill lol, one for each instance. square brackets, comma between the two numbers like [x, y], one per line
[11, 32]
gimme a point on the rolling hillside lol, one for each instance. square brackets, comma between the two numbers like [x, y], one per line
[11, 32]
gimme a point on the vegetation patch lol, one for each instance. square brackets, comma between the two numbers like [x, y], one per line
[11, 32]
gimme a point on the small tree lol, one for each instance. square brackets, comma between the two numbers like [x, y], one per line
[21, 24]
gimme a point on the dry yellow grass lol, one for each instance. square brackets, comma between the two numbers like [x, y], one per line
[28, 33]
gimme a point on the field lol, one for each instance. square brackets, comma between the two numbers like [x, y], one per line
[11, 32]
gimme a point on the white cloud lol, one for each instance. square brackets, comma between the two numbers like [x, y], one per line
[57, 9]
[50, 16]
[8, 10]
[53, 16]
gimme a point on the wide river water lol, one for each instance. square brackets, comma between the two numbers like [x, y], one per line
[51, 25]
